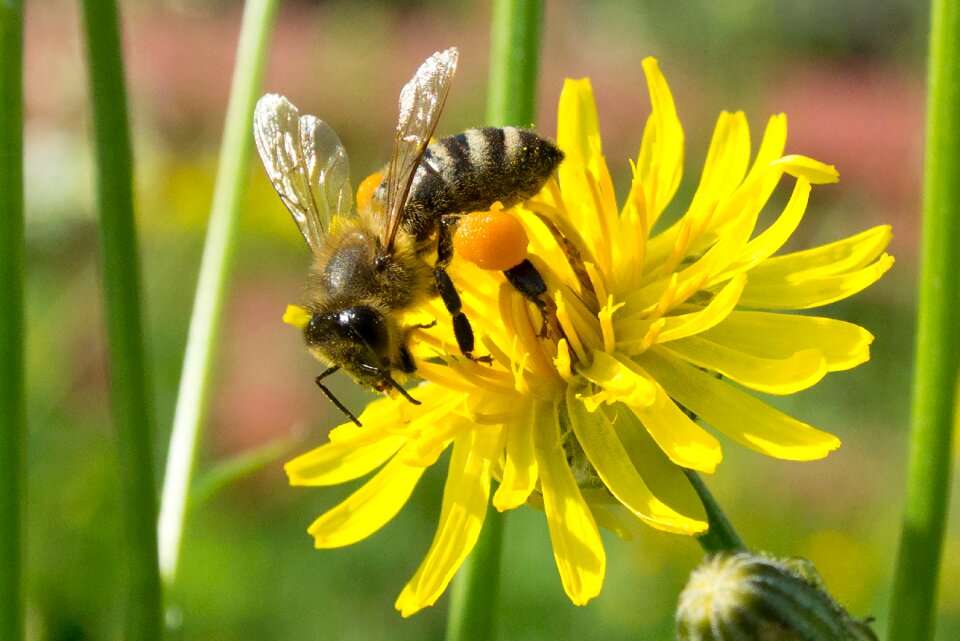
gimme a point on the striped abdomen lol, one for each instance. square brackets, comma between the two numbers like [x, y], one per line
[470, 171]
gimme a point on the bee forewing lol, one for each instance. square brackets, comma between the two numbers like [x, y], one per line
[328, 168]
[421, 103]
[306, 164]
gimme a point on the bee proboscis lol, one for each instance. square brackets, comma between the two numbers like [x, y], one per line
[371, 266]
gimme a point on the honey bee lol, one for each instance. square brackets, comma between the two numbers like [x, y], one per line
[371, 266]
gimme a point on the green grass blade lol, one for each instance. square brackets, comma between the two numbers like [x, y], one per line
[12, 406]
[512, 100]
[132, 410]
[938, 341]
[206, 321]
[514, 62]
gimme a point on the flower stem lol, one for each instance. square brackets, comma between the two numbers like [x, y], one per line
[473, 614]
[721, 537]
[512, 100]
[131, 406]
[12, 410]
[514, 61]
[938, 341]
[215, 267]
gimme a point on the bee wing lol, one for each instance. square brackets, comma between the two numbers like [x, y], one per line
[306, 163]
[421, 102]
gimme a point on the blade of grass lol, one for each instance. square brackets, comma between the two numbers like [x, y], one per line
[215, 268]
[12, 389]
[131, 407]
[512, 100]
[938, 341]
[514, 62]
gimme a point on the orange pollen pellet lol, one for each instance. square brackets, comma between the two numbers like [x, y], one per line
[366, 189]
[493, 240]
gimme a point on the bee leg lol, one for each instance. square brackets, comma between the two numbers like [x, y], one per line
[388, 380]
[397, 386]
[407, 366]
[448, 293]
[527, 280]
[333, 399]
[461, 324]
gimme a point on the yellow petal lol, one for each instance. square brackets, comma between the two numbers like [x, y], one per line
[740, 416]
[338, 462]
[683, 441]
[771, 148]
[766, 243]
[296, 316]
[520, 467]
[816, 172]
[369, 508]
[577, 547]
[660, 162]
[804, 290]
[617, 381]
[603, 447]
[839, 257]
[726, 162]
[800, 370]
[666, 479]
[465, 497]
[779, 336]
[577, 122]
[715, 312]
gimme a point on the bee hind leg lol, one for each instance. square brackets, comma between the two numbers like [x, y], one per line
[527, 280]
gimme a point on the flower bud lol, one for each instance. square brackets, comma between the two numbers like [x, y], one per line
[748, 597]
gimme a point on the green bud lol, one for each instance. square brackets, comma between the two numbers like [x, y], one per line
[748, 597]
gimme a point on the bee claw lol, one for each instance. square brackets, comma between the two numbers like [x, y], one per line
[485, 359]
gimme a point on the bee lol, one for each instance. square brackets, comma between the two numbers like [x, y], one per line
[391, 255]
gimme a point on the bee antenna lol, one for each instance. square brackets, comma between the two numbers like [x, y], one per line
[333, 399]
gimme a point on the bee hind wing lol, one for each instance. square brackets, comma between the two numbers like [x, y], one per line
[306, 164]
[421, 102]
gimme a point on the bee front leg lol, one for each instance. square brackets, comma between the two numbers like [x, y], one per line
[333, 399]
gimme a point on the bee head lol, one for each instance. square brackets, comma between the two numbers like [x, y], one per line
[358, 339]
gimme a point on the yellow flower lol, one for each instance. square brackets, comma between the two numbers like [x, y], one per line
[592, 423]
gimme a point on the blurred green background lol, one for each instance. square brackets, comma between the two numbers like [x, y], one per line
[848, 74]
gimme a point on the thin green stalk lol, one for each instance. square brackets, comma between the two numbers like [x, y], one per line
[131, 406]
[512, 100]
[938, 341]
[215, 268]
[12, 410]
[514, 62]
[476, 588]
[721, 537]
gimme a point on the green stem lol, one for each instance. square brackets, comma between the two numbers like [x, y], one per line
[512, 100]
[514, 62]
[131, 406]
[12, 410]
[215, 268]
[476, 588]
[721, 537]
[938, 341]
